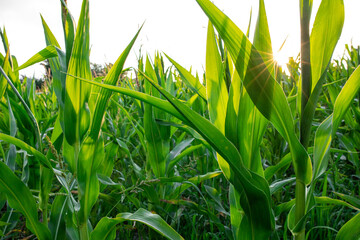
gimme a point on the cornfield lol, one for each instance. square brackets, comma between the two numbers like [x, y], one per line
[245, 151]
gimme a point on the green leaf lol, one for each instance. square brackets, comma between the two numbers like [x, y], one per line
[262, 39]
[38, 155]
[104, 95]
[57, 217]
[328, 200]
[351, 230]
[106, 228]
[90, 156]
[344, 99]
[77, 93]
[20, 198]
[216, 91]
[155, 147]
[322, 144]
[46, 53]
[69, 27]
[328, 128]
[58, 66]
[177, 158]
[192, 82]
[159, 103]
[325, 34]
[264, 91]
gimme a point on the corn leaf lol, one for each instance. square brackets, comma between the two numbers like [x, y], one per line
[90, 156]
[159, 103]
[69, 29]
[325, 34]
[106, 228]
[328, 128]
[104, 95]
[46, 53]
[264, 91]
[17, 142]
[192, 82]
[351, 230]
[77, 93]
[19, 197]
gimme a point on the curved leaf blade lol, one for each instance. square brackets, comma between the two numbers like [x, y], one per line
[106, 227]
[21, 199]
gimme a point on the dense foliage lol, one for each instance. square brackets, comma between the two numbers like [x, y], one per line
[245, 151]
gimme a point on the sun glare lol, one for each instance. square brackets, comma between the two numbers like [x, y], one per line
[281, 57]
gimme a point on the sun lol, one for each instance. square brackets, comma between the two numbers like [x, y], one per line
[281, 58]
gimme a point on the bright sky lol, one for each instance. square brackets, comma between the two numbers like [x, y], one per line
[176, 27]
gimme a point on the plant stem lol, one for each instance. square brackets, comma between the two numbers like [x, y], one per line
[300, 207]
[306, 85]
[83, 230]
[305, 12]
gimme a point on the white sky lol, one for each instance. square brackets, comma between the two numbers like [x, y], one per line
[176, 27]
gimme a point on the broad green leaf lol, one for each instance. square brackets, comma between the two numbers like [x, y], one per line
[351, 230]
[11, 157]
[322, 142]
[77, 93]
[344, 99]
[177, 158]
[3, 81]
[106, 228]
[264, 91]
[17, 142]
[325, 34]
[251, 123]
[155, 144]
[191, 182]
[90, 156]
[262, 39]
[216, 91]
[159, 103]
[46, 53]
[57, 218]
[284, 163]
[103, 97]
[328, 128]
[192, 82]
[277, 185]
[69, 27]
[352, 200]
[328, 200]
[19, 197]
[236, 212]
[58, 67]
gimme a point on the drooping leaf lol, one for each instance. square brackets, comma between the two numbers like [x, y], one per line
[106, 228]
[19, 197]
